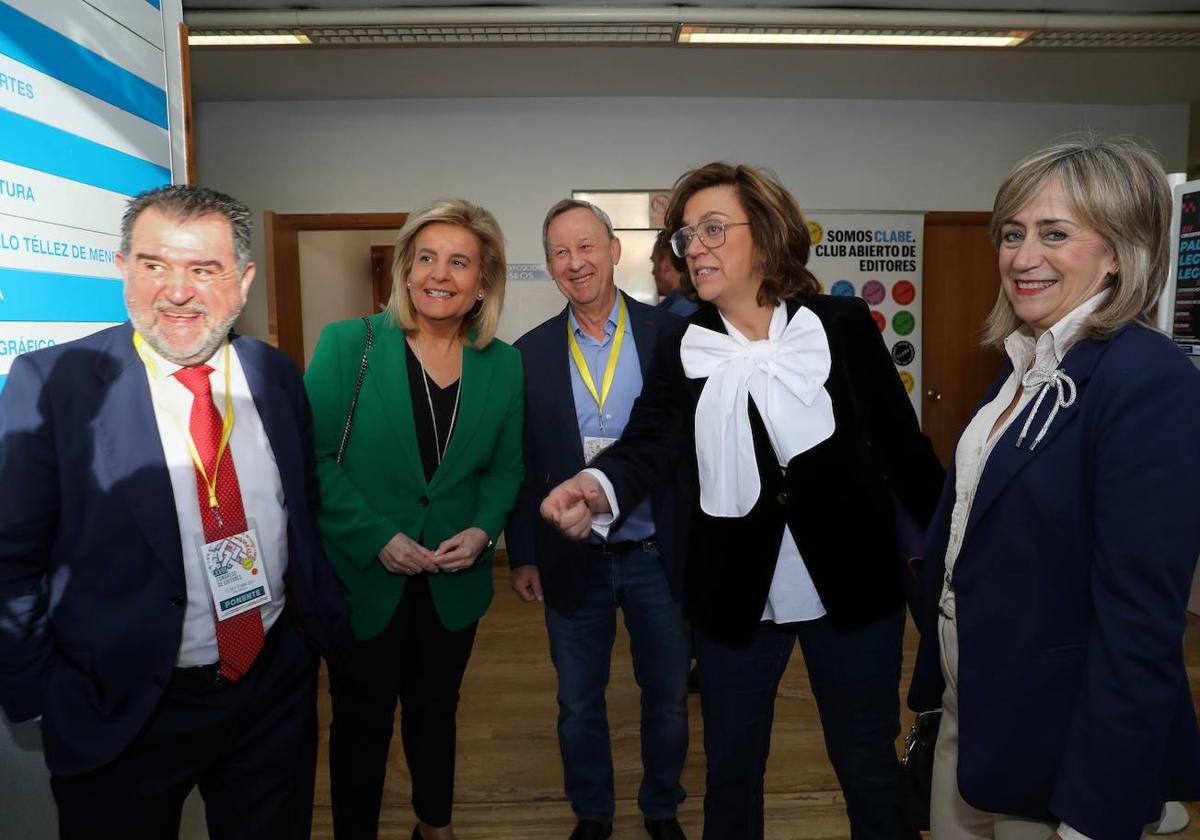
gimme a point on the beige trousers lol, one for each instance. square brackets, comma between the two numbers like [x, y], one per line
[951, 818]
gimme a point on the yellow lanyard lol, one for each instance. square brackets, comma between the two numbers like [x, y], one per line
[226, 428]
[610, 369]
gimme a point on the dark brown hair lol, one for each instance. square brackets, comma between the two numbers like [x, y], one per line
[777, 228]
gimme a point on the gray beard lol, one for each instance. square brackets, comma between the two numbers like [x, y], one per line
[203, 354]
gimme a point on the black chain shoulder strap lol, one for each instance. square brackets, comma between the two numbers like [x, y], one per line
[362, 372]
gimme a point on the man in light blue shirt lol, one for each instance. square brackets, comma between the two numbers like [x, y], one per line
[583, 373]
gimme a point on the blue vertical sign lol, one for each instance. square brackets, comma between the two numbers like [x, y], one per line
[90, 114]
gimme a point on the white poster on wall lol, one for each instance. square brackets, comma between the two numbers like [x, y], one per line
[877, 257]
[91, 112]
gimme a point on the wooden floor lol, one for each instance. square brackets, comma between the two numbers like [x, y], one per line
[509, 781]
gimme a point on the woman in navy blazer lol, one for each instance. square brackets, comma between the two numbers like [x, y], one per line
[1061, 554]
[791, 526]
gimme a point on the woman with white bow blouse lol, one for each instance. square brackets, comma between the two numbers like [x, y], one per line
[781, 413]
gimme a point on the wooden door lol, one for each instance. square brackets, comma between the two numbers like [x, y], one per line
[381, 275]
[961, 283]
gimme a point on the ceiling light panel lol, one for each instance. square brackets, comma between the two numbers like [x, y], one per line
[482, 34]
[244, 39]
[808, 36]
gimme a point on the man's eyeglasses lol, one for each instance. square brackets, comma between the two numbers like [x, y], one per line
[712, 235]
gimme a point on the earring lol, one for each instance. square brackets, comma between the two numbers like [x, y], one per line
[479, 296]
[408, 285]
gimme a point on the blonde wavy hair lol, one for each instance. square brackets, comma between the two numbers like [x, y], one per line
[485, 316]
[1119, 190]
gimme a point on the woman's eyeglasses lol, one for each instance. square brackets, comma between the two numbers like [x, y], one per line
[711, 234]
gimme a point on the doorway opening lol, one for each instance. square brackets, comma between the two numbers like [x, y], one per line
[285, 307]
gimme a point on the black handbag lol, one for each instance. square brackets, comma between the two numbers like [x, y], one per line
[362, 372]
[916, 769]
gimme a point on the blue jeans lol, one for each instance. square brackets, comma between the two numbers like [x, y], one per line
[581, 648]
[855, 679]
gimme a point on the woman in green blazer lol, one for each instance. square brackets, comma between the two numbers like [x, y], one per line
[411, 513]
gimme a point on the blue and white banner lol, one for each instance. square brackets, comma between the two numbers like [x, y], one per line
[41, 246]
[91, 112]
[41, 196]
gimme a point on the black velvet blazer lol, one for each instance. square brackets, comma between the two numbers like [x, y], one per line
[838, 497]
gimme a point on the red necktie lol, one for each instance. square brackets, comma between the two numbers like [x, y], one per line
[239, 638]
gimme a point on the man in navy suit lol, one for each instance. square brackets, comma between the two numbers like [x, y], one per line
[583, 371]
[163, 592]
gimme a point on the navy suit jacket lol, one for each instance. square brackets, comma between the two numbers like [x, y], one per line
[554, 453]
[92, 584]
[1071, 593]
[838, 498]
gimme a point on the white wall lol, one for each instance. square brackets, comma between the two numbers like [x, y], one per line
[518, 156]
[335, 277]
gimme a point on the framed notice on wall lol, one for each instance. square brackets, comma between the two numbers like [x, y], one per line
[91, 112]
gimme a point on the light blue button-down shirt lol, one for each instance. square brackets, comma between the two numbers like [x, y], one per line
[626, 385]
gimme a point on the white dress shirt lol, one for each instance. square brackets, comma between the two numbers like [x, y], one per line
[978, 440]
[258, 480]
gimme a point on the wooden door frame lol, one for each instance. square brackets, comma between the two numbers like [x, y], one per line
[282, 237]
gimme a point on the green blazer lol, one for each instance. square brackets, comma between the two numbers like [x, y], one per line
[379, 489]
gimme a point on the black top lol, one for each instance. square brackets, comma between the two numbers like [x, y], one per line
[837, 498]
[444, 400]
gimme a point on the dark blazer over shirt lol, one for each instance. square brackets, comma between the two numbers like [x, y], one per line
[836, 497]
[92, 589]
[1071, 592]
[554, 453]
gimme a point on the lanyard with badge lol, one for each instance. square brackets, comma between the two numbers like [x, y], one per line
[593, 446]
[233, 562]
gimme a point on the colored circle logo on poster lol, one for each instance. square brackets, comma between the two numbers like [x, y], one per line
[904, 292]
[816, 233]
[873, 292]
[903, 322]
[903, 353]
[842, 288]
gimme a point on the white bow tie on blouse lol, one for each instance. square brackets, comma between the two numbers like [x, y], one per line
[1046, 379]
[785, 374]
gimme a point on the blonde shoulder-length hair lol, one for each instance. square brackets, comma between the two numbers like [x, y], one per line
[1116, 188]
[485, 316]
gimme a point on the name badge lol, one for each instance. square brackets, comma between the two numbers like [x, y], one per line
[593, 446]
[237, 578]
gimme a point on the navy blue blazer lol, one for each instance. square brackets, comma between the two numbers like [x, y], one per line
[839, 499]
[554, 453]
[92, 585]
[1071, 594]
